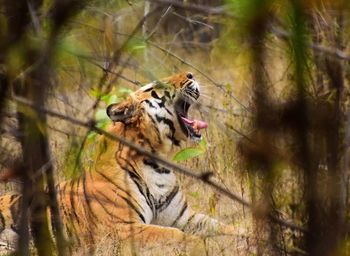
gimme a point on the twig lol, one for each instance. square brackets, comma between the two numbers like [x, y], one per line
[80, 151]
[34, 18]
[224, 111]
[68, 134]
[107, 70]
[158, 23]
[43, 169]
[227, 125]
[189, 20]
[13, 132]
[282, 34]
[199, 175]
[220, 10]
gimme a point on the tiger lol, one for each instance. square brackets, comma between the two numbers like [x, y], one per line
[130, 194]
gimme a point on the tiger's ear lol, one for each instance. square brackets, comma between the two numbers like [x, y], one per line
[125, 112]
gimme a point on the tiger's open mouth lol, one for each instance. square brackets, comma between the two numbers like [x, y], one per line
[190, 127]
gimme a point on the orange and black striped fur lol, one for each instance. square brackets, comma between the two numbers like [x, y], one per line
[129, 194]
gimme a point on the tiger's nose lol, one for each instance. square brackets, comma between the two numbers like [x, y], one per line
[109, 110]
[189, 75]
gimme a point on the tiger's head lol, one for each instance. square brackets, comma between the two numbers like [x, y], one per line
[158, 111]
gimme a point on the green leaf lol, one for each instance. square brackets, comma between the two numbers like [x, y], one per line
[71, 45]
[187, 153]
[91, 136]
[109, 98]
[195, 194]
[126, 91]
[139, 47]
[94, 92]
[136, 45]
[203, 144]
[112, 99]
[105, 98]
[191, 152]
[101, 115]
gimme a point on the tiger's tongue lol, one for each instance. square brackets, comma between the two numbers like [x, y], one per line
[196, 124]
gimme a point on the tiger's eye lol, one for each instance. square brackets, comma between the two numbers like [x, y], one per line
[189, 75]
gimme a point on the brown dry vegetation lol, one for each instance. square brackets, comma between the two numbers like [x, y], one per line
[275, 89]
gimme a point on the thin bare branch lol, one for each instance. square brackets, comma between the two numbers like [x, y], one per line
[333, 52]
[154, 30]
[219, 10]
